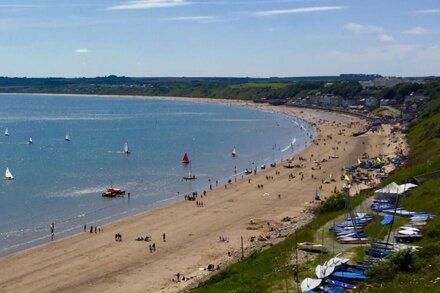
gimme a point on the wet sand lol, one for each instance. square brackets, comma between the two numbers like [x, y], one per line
[97, 263]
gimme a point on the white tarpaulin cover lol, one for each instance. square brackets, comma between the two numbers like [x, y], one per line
[310, 284]
[390, 190]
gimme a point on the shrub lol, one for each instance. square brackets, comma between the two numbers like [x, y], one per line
[333, 203]
[383, 271]
[429, 251]
[404, 261]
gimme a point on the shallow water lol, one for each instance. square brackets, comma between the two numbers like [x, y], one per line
[61, 182]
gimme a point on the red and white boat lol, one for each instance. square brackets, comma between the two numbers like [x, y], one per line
[113, 192]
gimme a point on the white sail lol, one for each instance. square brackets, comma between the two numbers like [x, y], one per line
[30, 140]
[67, 137]
[7, 131]
[126, 150]
[8, 174]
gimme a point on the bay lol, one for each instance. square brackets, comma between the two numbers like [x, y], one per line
[61, 182]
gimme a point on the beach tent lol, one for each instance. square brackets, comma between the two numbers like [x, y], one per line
[391, 190]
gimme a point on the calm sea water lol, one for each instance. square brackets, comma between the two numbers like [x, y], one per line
[61, 182]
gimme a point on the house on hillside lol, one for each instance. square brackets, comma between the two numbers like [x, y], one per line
[387, 102]
[372, 102]
[413, 102]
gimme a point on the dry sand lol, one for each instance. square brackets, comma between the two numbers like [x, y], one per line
[97, 263]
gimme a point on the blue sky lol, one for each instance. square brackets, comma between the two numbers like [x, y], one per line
[256, 38]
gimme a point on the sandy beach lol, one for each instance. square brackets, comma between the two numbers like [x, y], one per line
[97, 263]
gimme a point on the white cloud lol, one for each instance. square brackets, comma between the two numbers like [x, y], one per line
[428, 11]
[82, 51]
[363, 28]
[148, 4]
[418, 30]
[298, 10]
[191, 18]
[376, 54]
[386, 38]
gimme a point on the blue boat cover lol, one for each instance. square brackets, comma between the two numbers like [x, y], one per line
[387, 219]
[340, 284]
[380, 253]
[328, 289]
[349, 275]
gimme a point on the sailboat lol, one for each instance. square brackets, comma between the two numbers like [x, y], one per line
[185, 159]
[8, 175]
[190, 176]
[126, 150]
[7, 131]
[30, 140]
[67, 137]
[234, 153]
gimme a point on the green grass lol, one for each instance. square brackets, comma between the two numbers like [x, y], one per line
[271, 85]
[383, 112]
[424, 139]
[375, 230]
[424, 280]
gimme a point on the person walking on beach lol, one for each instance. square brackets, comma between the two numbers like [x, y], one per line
[52, 230]
[85, 228]
[164, 237]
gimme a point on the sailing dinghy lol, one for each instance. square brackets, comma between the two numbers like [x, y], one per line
[67, 137]
[126, 150]
[7, 131]
[30, 141]
[8, 175]
[234, 153]
[190, 176]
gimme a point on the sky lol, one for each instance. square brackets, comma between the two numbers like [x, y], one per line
[218, 38]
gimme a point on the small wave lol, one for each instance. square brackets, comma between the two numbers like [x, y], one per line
[75, 192]
[233, 120]
[290, 146]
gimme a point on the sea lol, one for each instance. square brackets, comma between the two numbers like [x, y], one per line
[61, 182]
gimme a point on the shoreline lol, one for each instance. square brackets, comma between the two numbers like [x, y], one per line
[244, 207]
[172, 199]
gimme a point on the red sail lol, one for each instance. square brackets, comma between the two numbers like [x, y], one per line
[185, 159]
